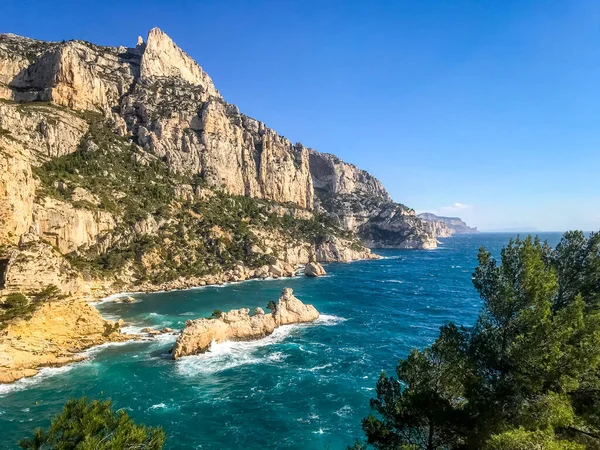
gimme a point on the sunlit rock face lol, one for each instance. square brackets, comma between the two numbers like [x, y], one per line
[238, 325]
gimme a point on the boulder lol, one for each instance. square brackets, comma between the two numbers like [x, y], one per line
[314, 269]
[276, 270]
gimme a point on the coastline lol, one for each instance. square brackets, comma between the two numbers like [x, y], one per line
[82, 344]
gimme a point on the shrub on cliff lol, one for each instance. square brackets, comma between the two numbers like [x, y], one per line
[14, 300]
[16, 306]
[94, 425]
[526, 376]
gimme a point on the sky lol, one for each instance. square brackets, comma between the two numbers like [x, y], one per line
[484, 110]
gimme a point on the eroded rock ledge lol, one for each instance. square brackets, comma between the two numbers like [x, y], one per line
[54, 336]
[238, 325]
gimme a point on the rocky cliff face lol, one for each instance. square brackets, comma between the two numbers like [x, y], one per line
[124, 167]
[168, 103]
[358, 201]
[454, 225]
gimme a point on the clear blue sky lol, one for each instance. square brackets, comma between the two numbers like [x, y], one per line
[485, 109]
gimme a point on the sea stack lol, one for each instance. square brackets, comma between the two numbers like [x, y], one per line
[238, 325]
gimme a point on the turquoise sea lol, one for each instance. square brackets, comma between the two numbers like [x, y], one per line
[304, 387]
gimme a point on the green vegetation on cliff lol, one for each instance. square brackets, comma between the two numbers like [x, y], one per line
[169, 225]
[526, 376]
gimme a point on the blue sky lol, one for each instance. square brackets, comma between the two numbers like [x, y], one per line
[486, 110]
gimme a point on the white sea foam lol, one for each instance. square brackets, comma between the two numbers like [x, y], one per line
[329, 320]
[158, 406]
[25, 383]
[302, 349]
[344, 411]
[277, 357]
[227, 355]
[92, 351]
[317, 368]
[132, 329]
[114, 297]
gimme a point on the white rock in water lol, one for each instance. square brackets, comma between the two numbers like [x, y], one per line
[238, 325]
[314, 269]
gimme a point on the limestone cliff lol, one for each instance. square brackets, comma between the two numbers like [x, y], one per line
[55, 335]
[238, 325]
[168, 103]
[359, 203]
[123, 167]
[454, 225]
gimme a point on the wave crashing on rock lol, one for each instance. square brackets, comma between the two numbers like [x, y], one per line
[239, 325]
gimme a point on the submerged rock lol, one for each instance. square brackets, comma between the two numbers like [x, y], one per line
[238, 325]
[314, 269]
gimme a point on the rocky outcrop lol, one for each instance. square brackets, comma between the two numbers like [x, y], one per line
[75, 74]
[238, 325]
[34, 265]
[359, 203]
[161, 58]
[55, 335]
[440, 229]
[201, 134]
[17, 191]
[29, 135]
[397, 227]
[44, 130]
[69, 228]
[331, 174]
[314, 269]
[455, 225]
[329, 249]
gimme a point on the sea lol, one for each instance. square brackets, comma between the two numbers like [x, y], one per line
[304, 387]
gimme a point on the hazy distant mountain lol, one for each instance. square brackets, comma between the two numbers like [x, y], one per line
[455, 224]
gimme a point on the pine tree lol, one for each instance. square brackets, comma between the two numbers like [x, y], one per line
[84, 425]
[526, 376]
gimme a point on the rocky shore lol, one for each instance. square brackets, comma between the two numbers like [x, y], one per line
[238, 325]
[55, 335]
[277, 270]
[59, 331]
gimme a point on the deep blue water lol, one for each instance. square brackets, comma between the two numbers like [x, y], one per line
[305, 387]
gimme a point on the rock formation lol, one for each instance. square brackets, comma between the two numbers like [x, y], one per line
[55, 335]
[314, 269]
[238, 325]
[359, 203]
[125, 168]
[454, 225]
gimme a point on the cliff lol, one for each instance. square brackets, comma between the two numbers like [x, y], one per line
[455, 225]
[124, 168]
[238, 325]
[54, 335]
[169, 105]
[358, 202]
